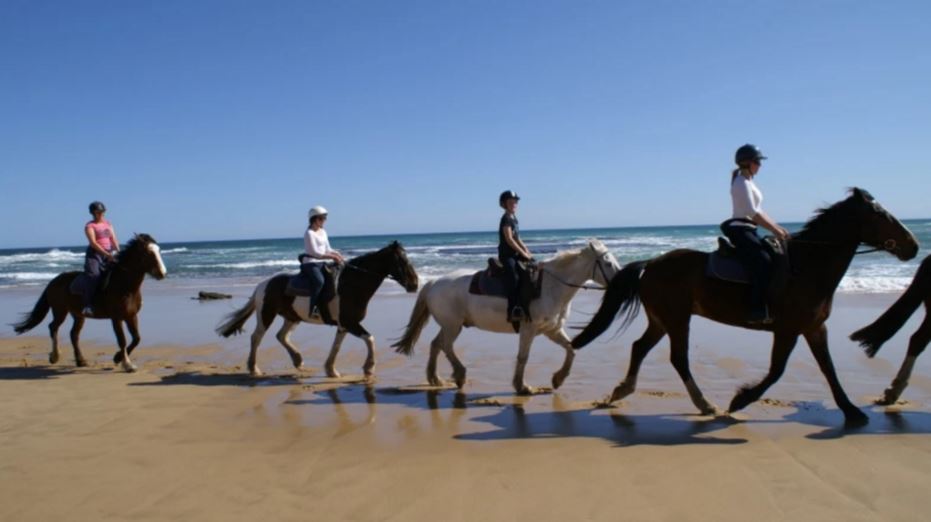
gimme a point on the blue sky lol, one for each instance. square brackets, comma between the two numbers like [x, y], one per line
[228, 119]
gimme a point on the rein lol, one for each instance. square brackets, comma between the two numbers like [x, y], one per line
[888, 246]
[583, 286]
[347, 264]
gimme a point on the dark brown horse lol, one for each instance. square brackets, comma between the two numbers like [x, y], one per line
[674, 286]
[358, 282]
[119, 302]
[872, 337]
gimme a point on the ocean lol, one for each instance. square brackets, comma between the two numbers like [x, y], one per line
[232, 263]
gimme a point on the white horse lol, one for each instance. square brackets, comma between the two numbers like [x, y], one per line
[448, 300]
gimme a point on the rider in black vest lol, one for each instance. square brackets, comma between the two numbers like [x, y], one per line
[741, 229]
[511, 251]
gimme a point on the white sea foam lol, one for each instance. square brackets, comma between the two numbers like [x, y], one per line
[174, 250]
[873, 285]
[30, 276]
[248, 264]
[53, 255]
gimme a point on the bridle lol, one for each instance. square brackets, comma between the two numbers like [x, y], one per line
[597, 266]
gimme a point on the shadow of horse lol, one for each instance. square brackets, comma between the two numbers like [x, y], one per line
[892, 420]
[29, 373]
[197, 378]
[623, 430]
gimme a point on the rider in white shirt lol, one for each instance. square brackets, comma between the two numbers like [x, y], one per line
[318, 253]
[747, 200]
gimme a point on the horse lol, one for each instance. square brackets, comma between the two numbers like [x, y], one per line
[673, 287]
[120, 301]
[449, 302]
[872, 337]
[359, 279]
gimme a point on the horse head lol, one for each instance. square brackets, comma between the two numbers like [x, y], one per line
[605, 265]
[880, 229]
[401, 269]
[144, 255]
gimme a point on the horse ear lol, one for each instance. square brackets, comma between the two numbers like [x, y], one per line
[862, 194]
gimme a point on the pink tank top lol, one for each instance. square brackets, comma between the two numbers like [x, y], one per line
[102, 234]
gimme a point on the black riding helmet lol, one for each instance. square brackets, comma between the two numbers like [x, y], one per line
[96, 207]
[506, 195]
[748, 153]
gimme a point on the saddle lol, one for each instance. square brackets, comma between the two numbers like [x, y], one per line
[299, 284]
[82, 282]
[724, 264]
[490, 282]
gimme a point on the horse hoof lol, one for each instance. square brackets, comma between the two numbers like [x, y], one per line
[526, 390]
[333, 374]
[130, 368]
[558, 380]
[855, 419]
[298, 362]
[80, 363]
[255, 372]
[460, 381]
[53, 357]
[888, 399]
[436, 381]
[117, 357]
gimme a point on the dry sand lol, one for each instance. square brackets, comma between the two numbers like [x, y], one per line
[189, 437]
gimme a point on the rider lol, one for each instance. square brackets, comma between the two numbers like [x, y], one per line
[102, 245]
[511, 252]
[318, 250]
[741, 229]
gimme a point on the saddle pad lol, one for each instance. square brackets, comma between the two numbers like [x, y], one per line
[484, 283]
[726, 268]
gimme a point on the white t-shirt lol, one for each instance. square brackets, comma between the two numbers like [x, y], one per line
[747, 198]
[316, 244]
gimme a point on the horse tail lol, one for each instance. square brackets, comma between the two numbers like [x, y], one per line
[622, 299]
[31, 320]
[872, 337]
[419, 317]
[234, 322]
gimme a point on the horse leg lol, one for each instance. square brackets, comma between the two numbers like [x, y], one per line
[641, 348]
[368, 367]
[261, 325]
[679, 356]
[284, 338]
[121, 340]
[58, 317]
[436, 345]
[916, 345]
[559, 337]
[132, 324]
[459, 369]
[75, 334]
[818, 342]
[783, 344]
[330, 365]
[527, 333]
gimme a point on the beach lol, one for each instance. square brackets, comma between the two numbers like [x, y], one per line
[191, 436]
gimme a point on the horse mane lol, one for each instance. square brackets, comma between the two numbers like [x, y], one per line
[564, 256]
[368, 256]
[831, 219]
[137, 243]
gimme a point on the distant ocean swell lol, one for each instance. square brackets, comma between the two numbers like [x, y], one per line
[433, 255]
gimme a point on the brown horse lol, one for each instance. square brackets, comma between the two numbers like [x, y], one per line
[674, 286]
[872, 337]
[358, 282]
[119, 302]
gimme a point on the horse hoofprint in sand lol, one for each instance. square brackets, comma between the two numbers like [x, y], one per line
[449, 302]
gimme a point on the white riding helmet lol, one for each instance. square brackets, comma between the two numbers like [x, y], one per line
[316, 211]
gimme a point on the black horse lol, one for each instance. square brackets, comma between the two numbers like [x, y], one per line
[674, 286]
[872, 337]
[359, 280]
[120, 301]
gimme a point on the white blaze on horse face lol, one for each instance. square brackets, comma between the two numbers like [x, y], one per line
[157, 252]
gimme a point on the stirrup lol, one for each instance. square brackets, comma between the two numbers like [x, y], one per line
[516, 315]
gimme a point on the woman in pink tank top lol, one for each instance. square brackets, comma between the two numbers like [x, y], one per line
[102, 245]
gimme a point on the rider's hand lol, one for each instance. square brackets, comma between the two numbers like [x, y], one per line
[783, 234]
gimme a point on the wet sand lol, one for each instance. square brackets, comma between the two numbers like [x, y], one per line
[190, 436]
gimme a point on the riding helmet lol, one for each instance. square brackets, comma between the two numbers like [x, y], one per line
[506, 195]
[96, 207]
[316, 211]
[747, 153]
